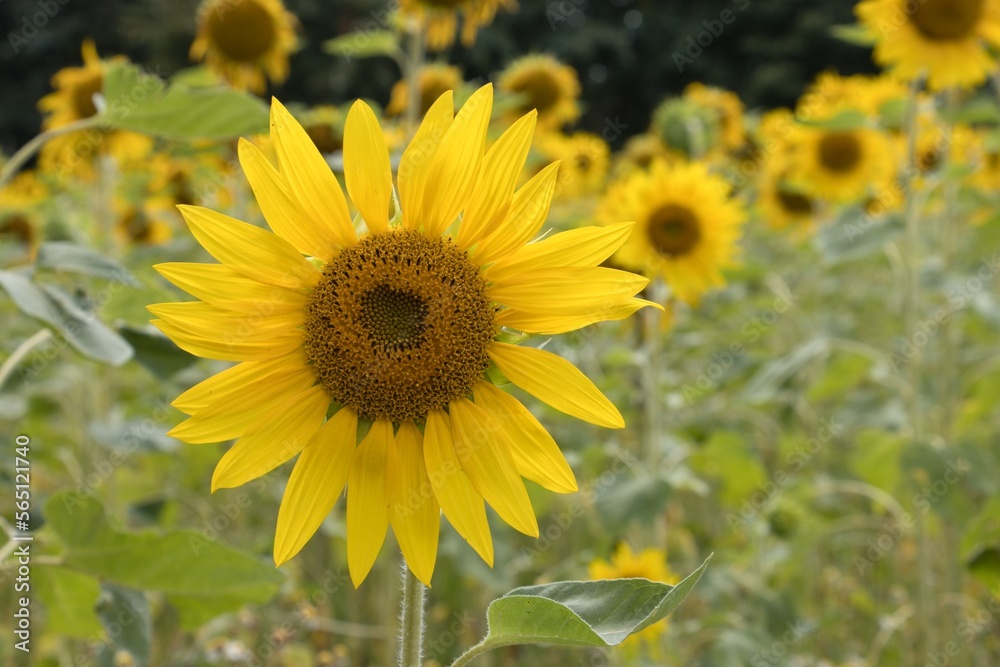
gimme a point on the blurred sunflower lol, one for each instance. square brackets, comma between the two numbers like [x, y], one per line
[73, 100]
[546, 85]
[244, 40]
[584, 160]
[440, 18]
[782, 206]
[831, 93]
[649, 564]
[686, 225]
[435, 79]
[137, 224]
[392, 332]
[727, 108]
[19, 227]
[639, 153]
[325, 126]
[947, 40]
[981, 152]
[840, 165]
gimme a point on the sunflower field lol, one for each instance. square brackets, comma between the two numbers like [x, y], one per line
[469, 332]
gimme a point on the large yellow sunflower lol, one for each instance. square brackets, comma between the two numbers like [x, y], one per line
[440, 18]
[73, 100]
[841, 165]
[434, 79]
[242, 40]
[686, 225]
[546, 85]
[948, 41]
[387, 337]
[649, 564]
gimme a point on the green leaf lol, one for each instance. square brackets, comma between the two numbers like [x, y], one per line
[766, 383]
[54, 307]
[856, 234]
[126, 619]
[69, 598]
[851, 119]
[982, 110]
[854, 33]
[362, 44]
[66, 256]
[156, 352]
[179, 563]
[582, 613]
[143, 103]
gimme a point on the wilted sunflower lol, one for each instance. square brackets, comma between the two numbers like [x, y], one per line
[947, 40]
[73, 100]
[242, 40]
[546, 85]
[440, 18]
[391, 333]
[686, 225]
[649, 564]
[840, 165]
[584, 159]
[435, 79]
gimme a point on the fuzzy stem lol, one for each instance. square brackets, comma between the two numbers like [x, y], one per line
[17, 160]
[11, 362]
[411, 632]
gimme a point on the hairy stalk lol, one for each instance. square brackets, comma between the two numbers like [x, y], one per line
[11, 362]
[17, 160]
[411, 621]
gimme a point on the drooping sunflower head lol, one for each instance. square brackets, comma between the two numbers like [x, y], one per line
[687, 226]
[435, 79]
[685, 128]
[948, 41]
[440, 18]
[546, 85]
[727, 108]
[840, 165]
[74, 99]
[583, 157]
[244, 40]
[392, 332]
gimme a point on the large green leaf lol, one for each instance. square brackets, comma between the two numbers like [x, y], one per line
[179, 563]
[54, 307]
[125, 615]
[156, 352]
[143, 103]
[66, 256]
[69, 598]
[363, 45]
[582, 613]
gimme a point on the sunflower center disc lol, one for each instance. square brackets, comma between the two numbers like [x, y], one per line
[673, 230]
[399, 325]
[242, 29]
[945, 20]
[83, 95]
[794, 202]
[839, 151]
[541, 89]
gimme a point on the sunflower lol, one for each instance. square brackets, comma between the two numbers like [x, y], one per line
[73, 100]
[781, 205]
[440, 18]
[947, 40]
[840, 165]
[242, 40]
[140, 225]
[19, 228]
[546, 85]
[727, 109]
[325, 126]
[831, 93]
[981, 152]
[639, 153]
[434, 79]
[388, 336]
[583, 157]
[686, 225]
[647, 564]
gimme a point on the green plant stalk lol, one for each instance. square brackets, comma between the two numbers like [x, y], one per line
[17, 160]
[411, 632]
[11, 362]
[414, 63]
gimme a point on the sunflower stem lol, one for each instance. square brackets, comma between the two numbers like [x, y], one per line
[411, 620]
[17, 160]
[11, 362]
[414, 63]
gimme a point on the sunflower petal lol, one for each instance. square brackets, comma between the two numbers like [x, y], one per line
[455, 165]
[567, 290]
[483, 452]
[587, 246]
[366, 167]
[368, 489]
[311, 185]
[232, 382]
[494, 187]
[460, 502]
[233, 350]
[414, 166]
[550, 325]
[524, 218]
[315, 484]
[207, 321]
[279, 434]
[250, 251]
[416, 515]
[219, 285]
[553, 380]
[535, 453]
